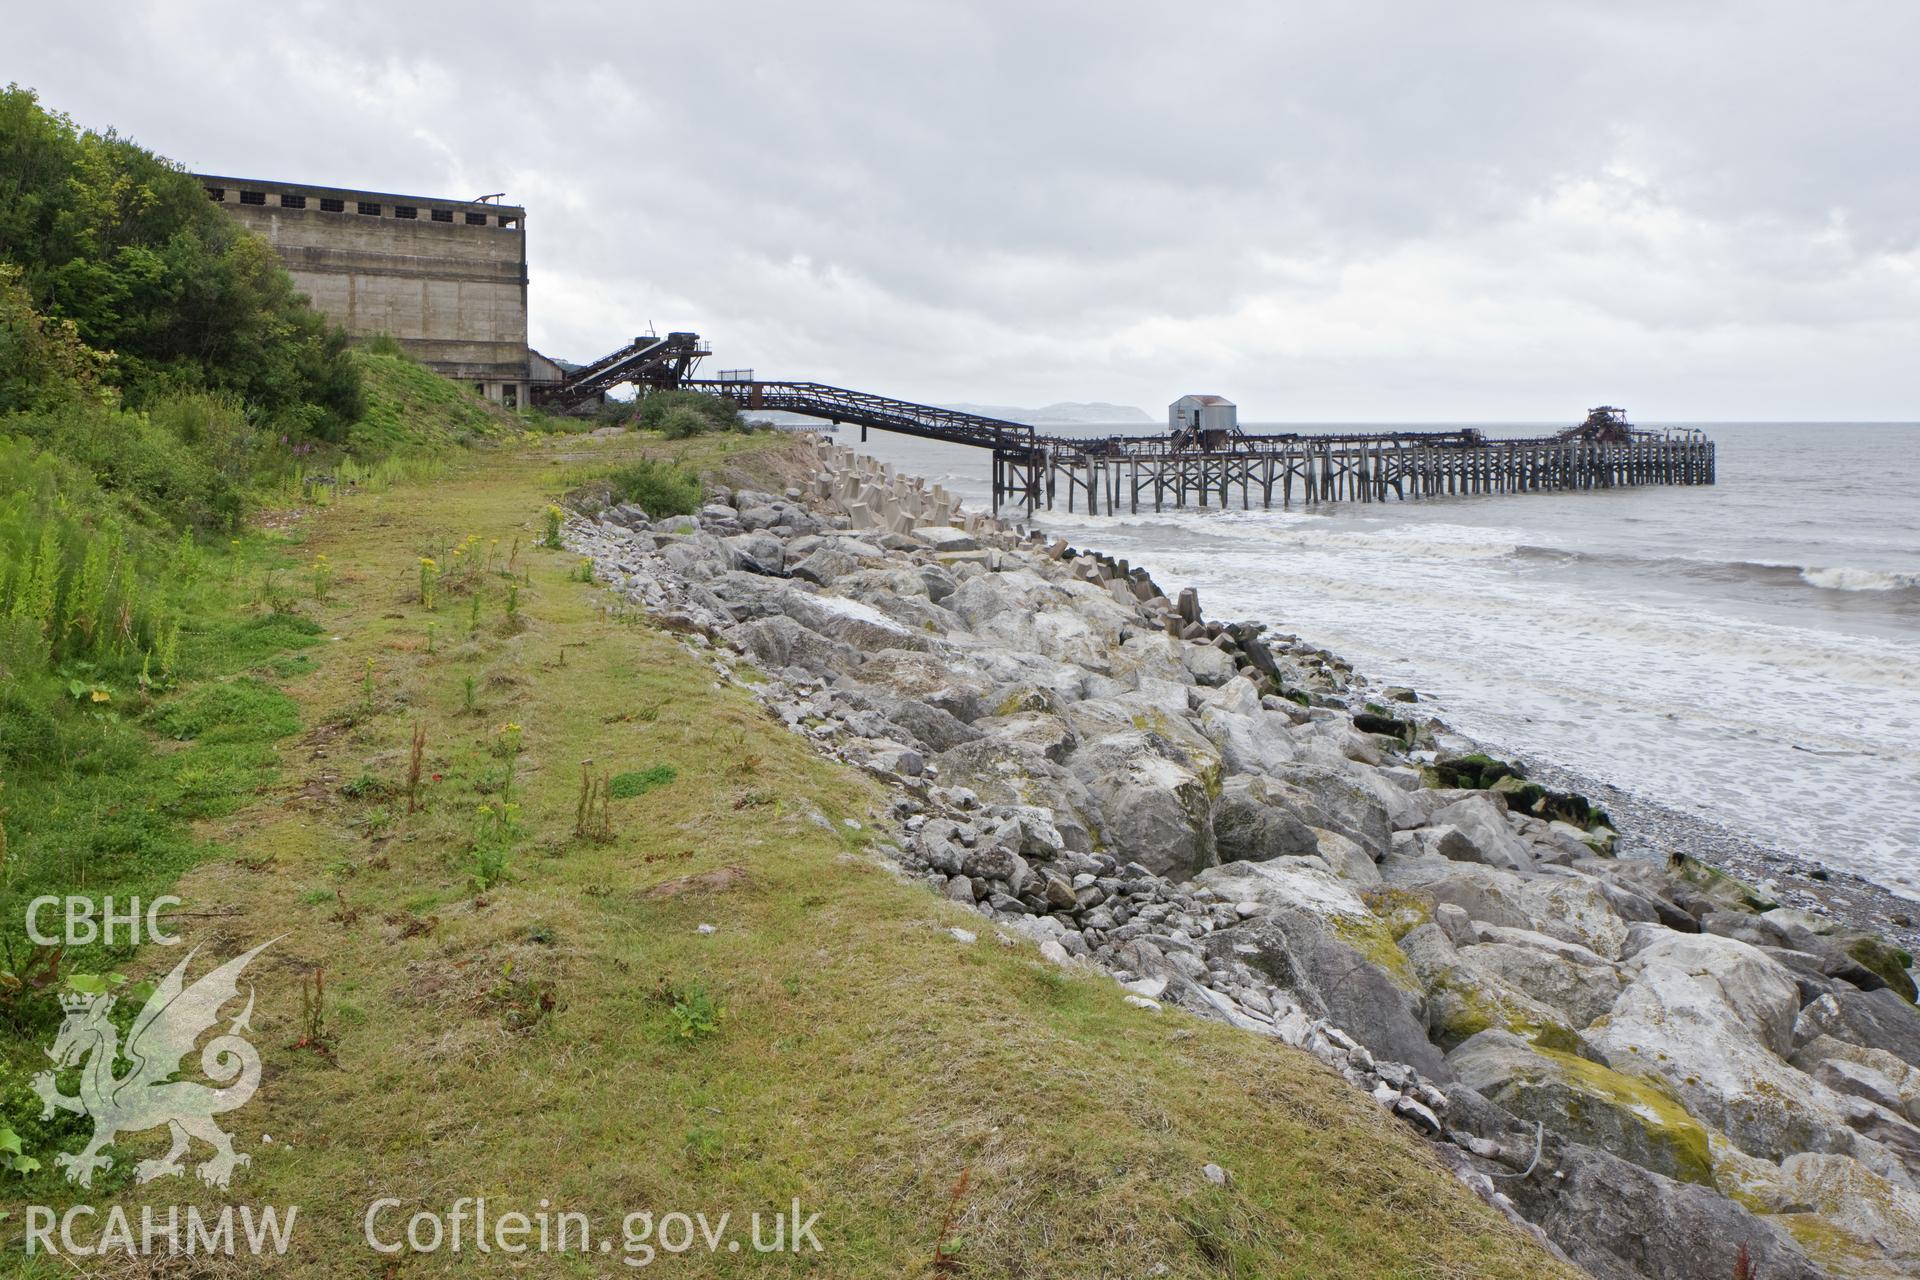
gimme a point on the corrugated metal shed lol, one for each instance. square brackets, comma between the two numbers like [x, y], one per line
[1202, 413]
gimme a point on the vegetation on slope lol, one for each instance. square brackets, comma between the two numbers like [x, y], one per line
[485, 816]
[517, 999]
[159, 379]
[127, 249]
[408, 407]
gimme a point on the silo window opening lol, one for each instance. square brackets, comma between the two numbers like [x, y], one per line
[329, 205]
[510, 395]
[253, 197]
[217, 194]
[369, 208]
[405, 211]
[507, 221]
[443, 215]
[476, 219]
[293, 202]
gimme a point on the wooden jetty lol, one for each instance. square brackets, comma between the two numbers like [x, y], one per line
[1222, 469]
[1268, 471]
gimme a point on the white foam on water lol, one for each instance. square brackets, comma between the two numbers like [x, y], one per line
[1843, 579]
[1683, 644]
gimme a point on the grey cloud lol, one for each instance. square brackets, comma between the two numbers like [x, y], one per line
[1365, 211]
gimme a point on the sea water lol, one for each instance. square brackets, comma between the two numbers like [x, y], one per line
[1748, 651]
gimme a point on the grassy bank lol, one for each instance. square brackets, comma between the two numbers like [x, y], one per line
[516, 999]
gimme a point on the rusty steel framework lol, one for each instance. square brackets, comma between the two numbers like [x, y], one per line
[864, 410]
[648, 360]
[1132, 473]
[1205, 469]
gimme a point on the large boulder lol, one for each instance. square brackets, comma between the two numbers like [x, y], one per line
[1484, 893]
[1465, 999]
[1479, 833]
[1633, 1117]
[1575, 908]
[1623, 1222]
[1877, 1019]
[1855, 1069]
[1850, 1219]
[1068, 621]
[1206, 664]
[1720, 979]
[759, 553]
[1149, 655]
[1563, 975]
[1304, 884]
[938, 681]
[1557, 902]
[924, 723]
[779, 642]
[1253, 821]
[1344, 803]
[850, 621]
[899, 594]
[697, 557]
[1155, 801]
[1308, 955]
[1256, 741]
[1048, 734]
[1006, 773]
[1155, 706]
[1712, 1017]
[1349, 861]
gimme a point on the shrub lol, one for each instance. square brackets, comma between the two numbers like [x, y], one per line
[683, 423]
[678, 414]
[29, 734]
[126, 248]
[155, 472]
[215, 426]
[43, 363]
[75, 580]
[658, 488]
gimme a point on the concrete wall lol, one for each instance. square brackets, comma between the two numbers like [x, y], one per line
[452, 290]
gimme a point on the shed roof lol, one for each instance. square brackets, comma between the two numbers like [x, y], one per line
[1205, 399]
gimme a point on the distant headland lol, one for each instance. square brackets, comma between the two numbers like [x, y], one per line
[1070, 411]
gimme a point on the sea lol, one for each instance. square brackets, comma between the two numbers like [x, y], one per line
[1747, 652]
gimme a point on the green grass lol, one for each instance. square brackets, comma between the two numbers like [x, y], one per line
[239, 711]
[408, 406]
[101, 795]
[569, 1033]
[625, 786]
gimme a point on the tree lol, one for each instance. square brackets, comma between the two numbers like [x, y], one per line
[126, 248]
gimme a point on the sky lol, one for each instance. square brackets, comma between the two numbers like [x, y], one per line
[1365, 212]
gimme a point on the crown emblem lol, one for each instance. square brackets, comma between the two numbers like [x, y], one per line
[77, 1002]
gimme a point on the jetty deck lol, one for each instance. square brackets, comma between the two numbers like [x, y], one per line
[1212, 468]
[1134, 473]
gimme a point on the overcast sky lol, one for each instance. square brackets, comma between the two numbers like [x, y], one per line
[1396, 211]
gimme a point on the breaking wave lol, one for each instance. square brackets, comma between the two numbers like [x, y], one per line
[1860, 580]
[1758, 571]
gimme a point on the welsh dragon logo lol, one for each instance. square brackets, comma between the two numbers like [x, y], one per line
[147, 1096]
